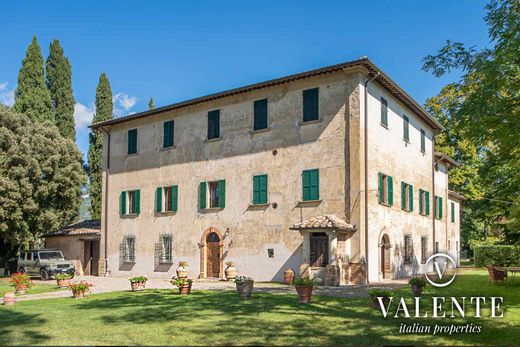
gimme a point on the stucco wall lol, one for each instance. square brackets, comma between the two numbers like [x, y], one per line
[72, 248]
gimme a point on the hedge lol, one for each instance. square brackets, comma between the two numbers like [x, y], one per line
[498, 255]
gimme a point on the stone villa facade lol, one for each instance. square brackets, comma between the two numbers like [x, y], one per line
[332, 172]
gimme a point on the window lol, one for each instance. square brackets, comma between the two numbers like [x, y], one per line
[168, 134]
[260, 114]
[270, 252]
[164, 250]
[437, 247]
[423, 141]
[424, 249]
[127, 249]
[449, 245]
[311, 104]
[132, 141]
[453, 212]
[129, 202]
[438, 207]
[260, 189]
[311, 185]
[386, 190]
[406, 197]
[424, 202]
[457, 246]
[166, 199]
[406, 129]
[213, 124]
[212, 194]
[384, 112]
[29, 255]
[408, 249]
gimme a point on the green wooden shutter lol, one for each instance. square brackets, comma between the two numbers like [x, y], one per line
[175, 197]
[380, 187]
[315, 184]
[263, 189]
[256, 189]
[310, 104]
[132, 141]
[306, 185]
[158, 199]
[168, 134]
[406, 128]
[421, 194]
[202, 195]
[384, 112]
[390, 191]
[410, 198]
[137, 201]
[122, 203]
[403, 195]
[440, 207]
[222, 193]
[260, 114]
[453, 212]
[427, 203]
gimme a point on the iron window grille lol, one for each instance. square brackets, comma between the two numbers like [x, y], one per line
[408, 249]
[164, 250]
[127, 249]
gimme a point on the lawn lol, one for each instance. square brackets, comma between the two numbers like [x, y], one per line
[5, 287]
[159, 317]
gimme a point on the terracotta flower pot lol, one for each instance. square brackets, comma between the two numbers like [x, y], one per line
[231, 273]
[417, 290]
[185, 290]
[138, 286]
[304, 293]
[63, 283]
[288, 276]
[79, 294]
[21, 288]
[375, 302]
[9, 299]
[245, 289]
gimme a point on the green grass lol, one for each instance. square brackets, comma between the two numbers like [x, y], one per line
[160, 317]
[5, 287]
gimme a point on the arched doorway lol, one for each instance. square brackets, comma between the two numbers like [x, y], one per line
[386, 266]
[211, 253]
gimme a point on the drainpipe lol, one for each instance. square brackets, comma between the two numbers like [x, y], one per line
[434, 163]
[106, 199]
[366, 171]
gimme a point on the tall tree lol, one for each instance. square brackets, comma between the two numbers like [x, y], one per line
[104, 107]
[59, 82]
[486, 114]
[32, 97]
[151, 104]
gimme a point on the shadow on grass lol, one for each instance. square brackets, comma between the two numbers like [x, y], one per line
[10, 328]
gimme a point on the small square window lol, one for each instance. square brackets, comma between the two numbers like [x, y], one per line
[270, 252]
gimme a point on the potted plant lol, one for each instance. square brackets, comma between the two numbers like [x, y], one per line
[63, 280]
[183, 283]
[80, 289]
[288, 276]
[138, 283]
[244, 286]
[375, 293]
[182, 270]
[304, 287]
[417, 283]
[20, 281]
[230, 271]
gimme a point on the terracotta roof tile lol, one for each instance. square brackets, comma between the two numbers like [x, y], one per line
[328, 221]
[87, 227]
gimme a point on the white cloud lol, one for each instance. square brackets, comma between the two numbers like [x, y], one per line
[123, 103]
[83, 115]
[6, 95]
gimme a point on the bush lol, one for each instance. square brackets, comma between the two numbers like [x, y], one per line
[418, 281]
[498, 255]
[303, 281]
[380, 292]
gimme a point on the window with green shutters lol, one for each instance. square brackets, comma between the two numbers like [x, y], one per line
[311, 106]
[311, 185]
[423, 141]
[130, 202]
[213, 124]
[260, 114]
[406, 197]
[212, 194]
[406, 129]
[385, 191]
[259, 189]
[132, 141]
[438, 207]
[453, 212]
[168, 133]
[166, 199]
[424, 202]
[384, 112]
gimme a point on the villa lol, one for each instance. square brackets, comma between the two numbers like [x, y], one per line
[331, 172]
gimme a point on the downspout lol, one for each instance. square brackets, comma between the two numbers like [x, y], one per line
[106, 200]
[366, 170]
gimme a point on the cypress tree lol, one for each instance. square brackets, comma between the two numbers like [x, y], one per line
[32, 97]
[104, 107]
[59, 81]
[151, 104]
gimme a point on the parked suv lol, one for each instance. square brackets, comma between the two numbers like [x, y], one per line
[45, 263]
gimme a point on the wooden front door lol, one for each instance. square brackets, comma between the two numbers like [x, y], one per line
[86, 257]
[213, 255]
[91, 257]
[386, 268]
[319, 249]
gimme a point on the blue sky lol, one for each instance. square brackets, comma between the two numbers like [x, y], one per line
[178, 50]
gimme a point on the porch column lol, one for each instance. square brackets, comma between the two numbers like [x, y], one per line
[306, 247]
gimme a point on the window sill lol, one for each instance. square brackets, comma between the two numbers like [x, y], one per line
[212, 210]
[385, 204]
[303, 203]
[314, 121]
[165, 149]
[259, 131]
[129, 262]
[129, 216]
[384, 126]
[258, 206]
[165, 262]
[216, 139]
[132, 155]
[165, 213]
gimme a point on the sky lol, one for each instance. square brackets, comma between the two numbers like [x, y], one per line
[177, 50]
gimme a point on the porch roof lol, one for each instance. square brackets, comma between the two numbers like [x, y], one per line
[86, 227]
[328, 221]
